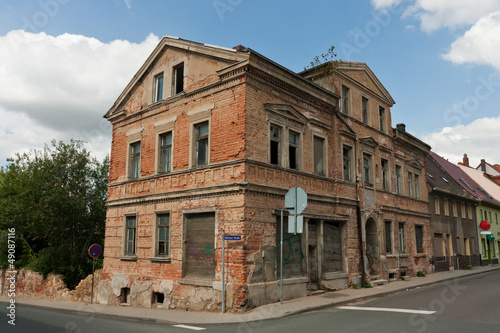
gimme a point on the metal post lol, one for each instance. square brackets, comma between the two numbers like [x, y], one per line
[223, 280]
[281, 257]
[92, 290]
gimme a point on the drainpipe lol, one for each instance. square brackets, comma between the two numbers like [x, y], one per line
[358, 207]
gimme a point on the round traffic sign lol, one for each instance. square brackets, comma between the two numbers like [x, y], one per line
[95, 250]
[485, 225]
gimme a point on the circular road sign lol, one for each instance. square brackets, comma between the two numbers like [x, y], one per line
[485, 225]
[95, 250]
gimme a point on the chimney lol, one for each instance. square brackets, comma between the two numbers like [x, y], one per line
[239, 48]
[466, 160]
[401, 127]
[483, 165]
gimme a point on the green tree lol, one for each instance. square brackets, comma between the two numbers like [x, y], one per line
[55, 199]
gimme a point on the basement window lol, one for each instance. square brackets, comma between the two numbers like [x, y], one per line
[158, 298]
[125, 295]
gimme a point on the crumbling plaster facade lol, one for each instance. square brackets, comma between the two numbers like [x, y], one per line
[269, 129]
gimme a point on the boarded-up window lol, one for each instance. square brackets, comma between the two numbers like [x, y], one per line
[332, 232]
[388, 237]
[199, 246]
[292, 250]
[419, 238]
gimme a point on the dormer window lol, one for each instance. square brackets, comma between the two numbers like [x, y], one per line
[178, 79]
[158, 88]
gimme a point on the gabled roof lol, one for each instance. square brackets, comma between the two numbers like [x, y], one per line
[459, 176]
[485, 184]
[439, 180]
[230, 56]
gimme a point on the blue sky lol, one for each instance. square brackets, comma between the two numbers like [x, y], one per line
[64, 62]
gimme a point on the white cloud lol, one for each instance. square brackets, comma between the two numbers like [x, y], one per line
[481, 44]
[128, 3]
[59, 87]
[478, 139]
[381, 4]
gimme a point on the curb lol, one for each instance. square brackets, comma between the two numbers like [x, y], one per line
[98, 314]
[392, 292]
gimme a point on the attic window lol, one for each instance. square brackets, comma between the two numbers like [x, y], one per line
[178, 79]
[466, 184]
[158, 88]
[428, 174]
[484, 191]
[446, 180]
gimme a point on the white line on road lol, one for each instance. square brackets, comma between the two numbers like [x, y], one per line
[386, 310]
[194, 328]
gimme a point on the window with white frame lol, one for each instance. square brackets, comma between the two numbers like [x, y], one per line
[402, 237]
[399, 179]
[165, 152]
[436, 206]
[158, 88]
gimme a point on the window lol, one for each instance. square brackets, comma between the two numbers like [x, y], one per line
[275, 144]
[416, 179]
[165, 152]
[490, 220]
[496, 218]
[454, 208]
[293, 150]
[364, 107]
[436, 205]
[381, 112]
[419, 238]
[467, 246]
[446, 207]
[410, 187]
[135, 160]
[162, 234]
[158, 88]
[347, 158]
[469, 211]
[345, 100]
[178, 79]
[399, 175]
[384, 164]
[462, 208]
[201, 143]
[367, 161]
[388, 237]
[481, 213]
[199, 246]
[319, 156]
[130, 235]
[402, 238]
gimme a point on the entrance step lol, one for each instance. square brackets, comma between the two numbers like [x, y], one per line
[379, 282]
[374, 277]
[317, 292]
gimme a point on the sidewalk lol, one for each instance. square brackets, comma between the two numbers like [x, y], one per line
[275, 310]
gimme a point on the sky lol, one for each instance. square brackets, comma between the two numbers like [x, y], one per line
[63, 63]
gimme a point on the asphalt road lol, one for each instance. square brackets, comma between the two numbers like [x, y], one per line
[465, 305]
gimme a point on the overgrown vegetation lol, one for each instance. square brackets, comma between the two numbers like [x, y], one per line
[420, 274]
[55, 200]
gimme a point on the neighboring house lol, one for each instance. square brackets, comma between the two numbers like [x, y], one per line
[488, 244]
[209, 140]
[453, 221]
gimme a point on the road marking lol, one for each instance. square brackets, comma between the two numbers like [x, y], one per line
[387, 310]
[194, 328]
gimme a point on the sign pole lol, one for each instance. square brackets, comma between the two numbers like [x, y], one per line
[223, 280]
[92, 290]
[281, 258]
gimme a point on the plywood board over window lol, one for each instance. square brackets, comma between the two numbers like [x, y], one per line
[199, 246]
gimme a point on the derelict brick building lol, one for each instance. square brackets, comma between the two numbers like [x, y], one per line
[207, 139]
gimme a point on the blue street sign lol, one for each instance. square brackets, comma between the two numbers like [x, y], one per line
[228, 237]
[95, 250]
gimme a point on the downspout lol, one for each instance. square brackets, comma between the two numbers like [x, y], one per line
[358, 207]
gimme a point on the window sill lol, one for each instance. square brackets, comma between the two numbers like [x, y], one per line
[160, 259]
[390, 255]
[197, 282]
[404, 255]
[420, 255]
[128, 258]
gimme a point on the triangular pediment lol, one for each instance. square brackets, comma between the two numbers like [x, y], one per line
[363, 75]
[286, 111]
[222, 56]
[415, 164]
[369, 141]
